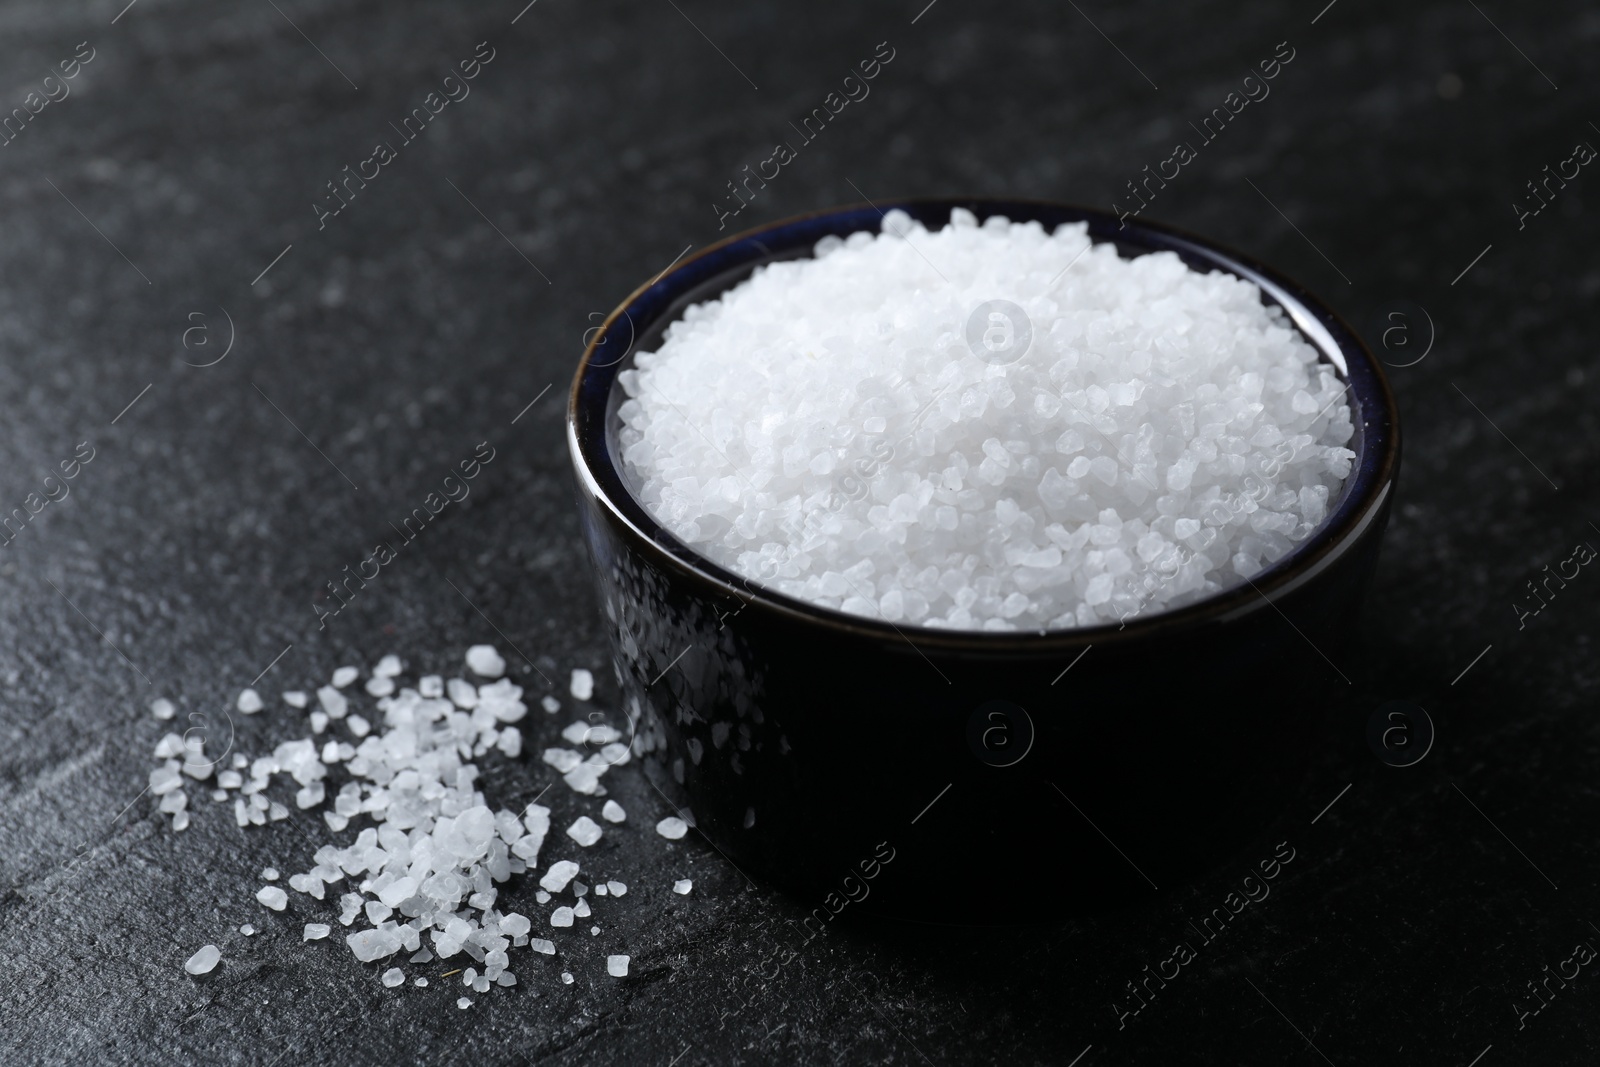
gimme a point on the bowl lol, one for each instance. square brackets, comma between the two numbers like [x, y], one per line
[915, 773]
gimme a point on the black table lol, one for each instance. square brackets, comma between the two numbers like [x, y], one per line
[176, 197]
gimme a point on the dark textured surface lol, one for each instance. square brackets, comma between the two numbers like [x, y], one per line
[407, 331]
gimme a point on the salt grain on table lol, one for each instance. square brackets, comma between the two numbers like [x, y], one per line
[273, 897]
[672, 828]
[585, 831]
[617, 966]
[203, 961]
[484, 661]
[682, 886]
[582, 686]
[560, 873]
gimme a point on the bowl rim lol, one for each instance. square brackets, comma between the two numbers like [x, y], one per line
[1367, 488]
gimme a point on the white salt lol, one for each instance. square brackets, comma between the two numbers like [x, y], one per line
[394, 976]
[561, 917]
[369, 945]
[617, 966]
[987, 428]
[273, 897]
[484, 661]
[420, 983]
[247, 930]
[333, 702]
[549, 703]
[463, 1003]
[540, 945]
[560, 873]
[617, 888]
[672, 828]
[582, 684]
[269, 874]
[162, 708]
[585, 831]
[295, 699]
[203, 961]
[343, 676]
[315, 932]
[612, 812]
[388, 667]
[566, 977]
[682, 886]
[249, 702]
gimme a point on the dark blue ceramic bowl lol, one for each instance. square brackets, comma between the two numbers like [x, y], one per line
[927, 774]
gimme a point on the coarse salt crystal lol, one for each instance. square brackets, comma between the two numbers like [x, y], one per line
[582, 686]
[333, 702]
[273, 897]
[683, 886]
[249, 702]
[484, 661]
[269, 874]
[617, 966]
[560, 873]
[295, 699]
[162, 708]
[672, 828]
[343, 676]
[394, 976]
[585, 831]
[203, 961]
[315, 932]
[612, 812]
[388, 667]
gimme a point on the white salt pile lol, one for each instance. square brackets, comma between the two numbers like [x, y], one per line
[987, 428]
[431, 865]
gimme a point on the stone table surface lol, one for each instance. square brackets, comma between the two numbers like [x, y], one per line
[165, 204]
